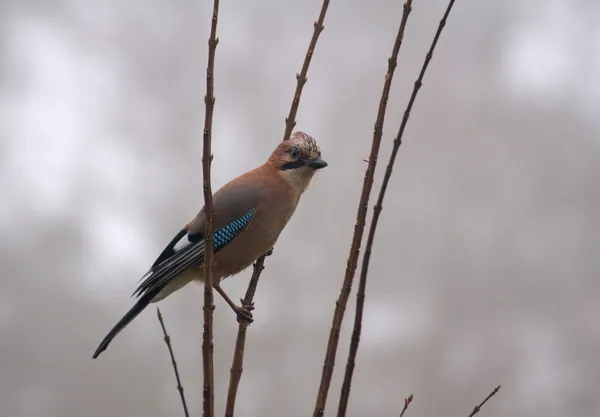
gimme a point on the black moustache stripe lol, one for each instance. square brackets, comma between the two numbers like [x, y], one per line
[293, 164]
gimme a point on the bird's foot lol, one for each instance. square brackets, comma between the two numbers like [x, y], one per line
[269, 253]
[248, 307]
[244, 313]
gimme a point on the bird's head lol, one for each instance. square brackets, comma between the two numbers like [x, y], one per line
[297, 159]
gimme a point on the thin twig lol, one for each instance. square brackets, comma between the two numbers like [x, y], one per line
[208, 394]
[167, 339]
[342, 301]
[238, 356]
[388, 173]
[478, 407]
[290, 122]
[398, 140]
[407, 402]
[377, 133]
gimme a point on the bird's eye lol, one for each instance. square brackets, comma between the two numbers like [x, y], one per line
[294, 153]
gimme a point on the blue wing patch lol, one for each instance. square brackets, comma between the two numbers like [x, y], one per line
[226, 234]
[175, 262]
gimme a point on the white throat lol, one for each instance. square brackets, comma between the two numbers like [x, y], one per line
[298, 178]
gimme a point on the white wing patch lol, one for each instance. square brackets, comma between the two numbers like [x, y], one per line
[182, 243]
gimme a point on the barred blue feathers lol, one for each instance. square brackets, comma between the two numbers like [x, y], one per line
[225, 235]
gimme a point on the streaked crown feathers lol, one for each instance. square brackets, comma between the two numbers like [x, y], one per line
[302, 142]
[306, 143]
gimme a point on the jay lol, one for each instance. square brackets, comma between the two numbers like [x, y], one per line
[250, 212]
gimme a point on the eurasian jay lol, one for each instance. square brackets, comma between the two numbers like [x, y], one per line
[249, 214]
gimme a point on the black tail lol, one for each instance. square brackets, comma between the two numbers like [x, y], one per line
[127, 318]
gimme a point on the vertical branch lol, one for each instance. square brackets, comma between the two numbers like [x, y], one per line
[340, 305]
[397, 142]
[238, 356]
[208, 406]
[167, 340]
[478, 407]
[411, 101]
[388, 173]
[290, 122]
[338, 316]
[359, 227]
[377, 133]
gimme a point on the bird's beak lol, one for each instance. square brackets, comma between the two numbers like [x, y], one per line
[316, 163]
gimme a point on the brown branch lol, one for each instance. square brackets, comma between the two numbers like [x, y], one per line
[290, 122]
[478, 407]
[407, 402]
[378, 206]
[167, 340]
[238, 356]
[208, 394]
[342, 301]
[377, 133]
[398, 140]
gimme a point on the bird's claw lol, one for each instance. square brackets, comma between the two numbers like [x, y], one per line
[269, 253]
[244, 313]
[248, 307]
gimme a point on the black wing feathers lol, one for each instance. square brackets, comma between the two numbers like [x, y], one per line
[235, 205]
[160, 275]
[141, 304]
[169, 250]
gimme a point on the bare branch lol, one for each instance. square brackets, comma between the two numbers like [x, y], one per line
[208, 407]
[407, 402]
[379, 205]
[167, 339]
[238, 356]
[405, 117]
[342, 301]
[290, 121]
[478, 407]
[377, 134]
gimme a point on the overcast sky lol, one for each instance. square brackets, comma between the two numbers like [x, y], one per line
[485, 269]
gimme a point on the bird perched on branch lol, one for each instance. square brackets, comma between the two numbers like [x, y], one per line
[249, 214]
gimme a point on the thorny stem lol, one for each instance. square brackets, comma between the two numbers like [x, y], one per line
[407, 402]
[290, 121]
[238, 356]
[167, 339]
[405, 117]
[208, 394]
[478, 407]
[377, 134]
[379, 205]
[342, 301]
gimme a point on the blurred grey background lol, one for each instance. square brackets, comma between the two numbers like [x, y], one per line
[486, 267]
